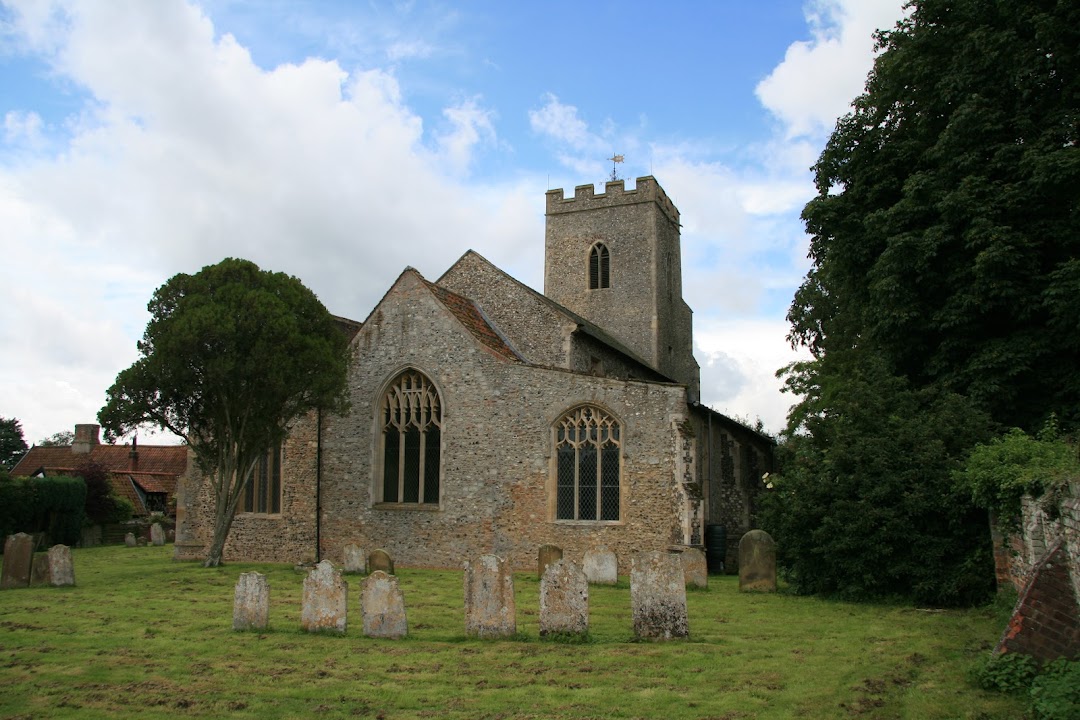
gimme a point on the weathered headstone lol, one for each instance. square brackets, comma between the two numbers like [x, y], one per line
[564, 600]
[157, 534]
[380, 560]
[695, 567]
[354, 559]
[382, 606]
[326, 597]
[129, 540]
[61, 569]
[18, 556]
[658, 596]
[39, 570]
[490, 611]
[601, 566]
[251, 602]
[545, 556]
[757, 562]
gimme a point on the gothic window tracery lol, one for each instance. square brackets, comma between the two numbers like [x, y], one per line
[263, 492]
[411, 440]
[599, 267]
[588, 445]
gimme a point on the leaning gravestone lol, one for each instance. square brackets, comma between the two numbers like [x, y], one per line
[546, 555]
[695, 567]
[129, 540]
[157, 534]
[380, 560]
[490, 611]
[61, 569]
[354, 559]
[251, 602]
[18, 556]
[325, 600]
[564, 600]
[757, 562]
[39, 570]
[601, 566]
[382, 606]
[658, 596]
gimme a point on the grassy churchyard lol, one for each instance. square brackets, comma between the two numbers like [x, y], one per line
[142, 636]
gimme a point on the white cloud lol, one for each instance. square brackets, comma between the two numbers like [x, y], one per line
[469, 126]
[22, 127]
[819, 78]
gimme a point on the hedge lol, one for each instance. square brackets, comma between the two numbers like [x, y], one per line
[53, 505]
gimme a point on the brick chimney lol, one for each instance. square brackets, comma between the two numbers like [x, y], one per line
[86, 437]
[134, 454]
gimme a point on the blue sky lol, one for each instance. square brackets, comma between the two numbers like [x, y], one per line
[342, 141]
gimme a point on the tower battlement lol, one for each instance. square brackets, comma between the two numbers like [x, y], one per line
[615, 193]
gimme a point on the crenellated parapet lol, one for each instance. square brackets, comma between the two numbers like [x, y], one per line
[615, 194]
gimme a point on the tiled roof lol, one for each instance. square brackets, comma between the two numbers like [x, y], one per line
[168, 459]
[473, 319]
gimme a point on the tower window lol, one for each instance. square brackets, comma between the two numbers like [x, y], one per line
[599, 267]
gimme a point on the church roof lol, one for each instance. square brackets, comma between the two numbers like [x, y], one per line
[470, 315]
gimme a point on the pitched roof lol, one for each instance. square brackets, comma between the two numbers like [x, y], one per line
[469, 314]
[166, 459]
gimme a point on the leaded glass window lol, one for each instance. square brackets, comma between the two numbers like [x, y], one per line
[411, 419]
[599, 267]
[263, 492]
[587, 461]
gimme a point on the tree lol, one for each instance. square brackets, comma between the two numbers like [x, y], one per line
[12, 443]
[62, 438]
[230, 357]
[946, 230]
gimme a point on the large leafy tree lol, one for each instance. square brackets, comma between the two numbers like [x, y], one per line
[12, 442]
[946, 230]
[231, 355]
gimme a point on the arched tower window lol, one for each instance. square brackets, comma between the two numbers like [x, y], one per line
[588, 445]
[599, 267]
[410, 440]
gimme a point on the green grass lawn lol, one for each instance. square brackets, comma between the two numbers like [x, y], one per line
[143, 636]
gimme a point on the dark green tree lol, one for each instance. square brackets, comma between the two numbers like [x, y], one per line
[61, 438]
[230, 357]
[12, 443]
[946, 230]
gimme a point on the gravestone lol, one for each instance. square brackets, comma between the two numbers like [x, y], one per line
[326, 597]
[546, 555]
[39, 570]
[354, 559]
[129, 540]
[382, 606]
[658, 596]
[757, 562]
[564, 600]
[18, 556]
[61, 569]
[490, 611]
[695, 567]
[601, 566]
[157, 534]
[251, 602]
[380, 560]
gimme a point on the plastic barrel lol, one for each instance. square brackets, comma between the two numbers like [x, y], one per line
[715, 548]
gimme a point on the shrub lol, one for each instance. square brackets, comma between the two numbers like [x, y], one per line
[1055, 693]
[1009, 673]
[52, 504]
[99, 503]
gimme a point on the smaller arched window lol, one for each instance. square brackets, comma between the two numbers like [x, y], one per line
[599, 267]
[587, 466]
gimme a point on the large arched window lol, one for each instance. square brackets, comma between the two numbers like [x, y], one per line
[599, 267]
[410, 440]
[587, 452]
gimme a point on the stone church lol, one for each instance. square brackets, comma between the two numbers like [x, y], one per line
[490, 418]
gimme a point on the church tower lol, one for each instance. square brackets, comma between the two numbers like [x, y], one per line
[614, 259]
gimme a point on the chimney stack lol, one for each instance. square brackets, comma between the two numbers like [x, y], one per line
[86, 437]
[134, 454]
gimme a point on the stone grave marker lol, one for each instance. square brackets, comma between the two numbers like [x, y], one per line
[18, 556]
[39, 570]
[61, 569]
[326, 595]
[354, 559]
[382, 606]
[545, 556]
[490, 611]
[757, 562]
[564, 600]
[658, 596]
[380, 560]
[695, 567]
[157, 534]
[251, 602]
[601, 566]
[129, 540]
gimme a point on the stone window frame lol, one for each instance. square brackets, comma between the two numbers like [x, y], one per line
[599, 267]
[264, 493]
[554, 466]
[379, 422]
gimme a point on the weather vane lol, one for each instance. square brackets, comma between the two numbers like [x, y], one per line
[614, 160]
